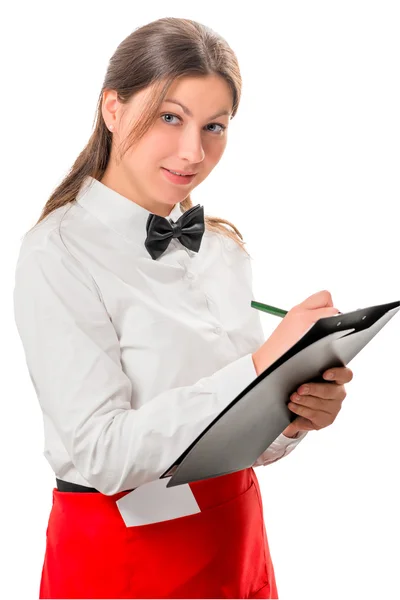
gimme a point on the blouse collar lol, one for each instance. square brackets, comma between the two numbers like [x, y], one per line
[116, 211]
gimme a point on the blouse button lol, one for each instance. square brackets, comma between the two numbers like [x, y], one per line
[189, 275]
[218, 330]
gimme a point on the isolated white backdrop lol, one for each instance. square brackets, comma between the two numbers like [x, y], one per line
[311, 179]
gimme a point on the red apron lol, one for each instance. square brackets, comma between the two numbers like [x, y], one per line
[220, 552]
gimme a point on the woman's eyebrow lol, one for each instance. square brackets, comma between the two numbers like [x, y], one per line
[189, 112]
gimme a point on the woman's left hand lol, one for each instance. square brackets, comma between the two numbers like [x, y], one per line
[318, 406]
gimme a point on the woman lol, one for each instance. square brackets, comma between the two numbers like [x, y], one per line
[134, 313]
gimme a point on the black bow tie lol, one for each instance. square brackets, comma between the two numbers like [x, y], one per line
[189, 230]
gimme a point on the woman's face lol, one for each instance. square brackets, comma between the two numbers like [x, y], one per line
[178, 141]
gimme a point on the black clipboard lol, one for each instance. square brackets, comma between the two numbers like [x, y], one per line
[245, 428]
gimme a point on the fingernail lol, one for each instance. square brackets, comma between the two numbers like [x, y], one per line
[329, 375]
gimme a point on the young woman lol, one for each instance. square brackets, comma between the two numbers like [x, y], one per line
[134, 313]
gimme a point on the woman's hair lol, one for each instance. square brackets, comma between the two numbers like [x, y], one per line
[155, 54]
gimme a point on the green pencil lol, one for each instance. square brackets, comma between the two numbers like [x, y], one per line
[272, 310]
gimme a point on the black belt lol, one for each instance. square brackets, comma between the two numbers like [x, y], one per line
[67, 486]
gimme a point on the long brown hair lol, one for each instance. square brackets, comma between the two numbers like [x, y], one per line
[154, 54]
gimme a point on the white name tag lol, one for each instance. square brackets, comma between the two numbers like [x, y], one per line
[153, 502]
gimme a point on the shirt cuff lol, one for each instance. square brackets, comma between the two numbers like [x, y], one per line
[283, 439]
[280, 447]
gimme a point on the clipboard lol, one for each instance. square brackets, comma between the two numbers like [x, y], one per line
[245, 428]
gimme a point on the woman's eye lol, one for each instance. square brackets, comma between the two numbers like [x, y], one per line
[222, 127]
[169, 115]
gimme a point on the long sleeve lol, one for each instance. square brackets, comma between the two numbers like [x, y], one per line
[73, 356]
[282, 445]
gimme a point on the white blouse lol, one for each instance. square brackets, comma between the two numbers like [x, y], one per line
[130, 357]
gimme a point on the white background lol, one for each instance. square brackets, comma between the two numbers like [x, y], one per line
[311, 179]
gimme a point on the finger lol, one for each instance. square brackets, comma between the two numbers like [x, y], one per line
[340, 375]
[318, 418]
[327, 391]
[312, 403]
[303, 424]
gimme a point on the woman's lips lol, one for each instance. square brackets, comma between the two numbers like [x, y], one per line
[178, 179]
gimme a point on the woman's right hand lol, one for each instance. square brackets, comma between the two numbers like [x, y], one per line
[292, 327]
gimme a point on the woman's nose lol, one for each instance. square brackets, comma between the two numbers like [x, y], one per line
[191, 148]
